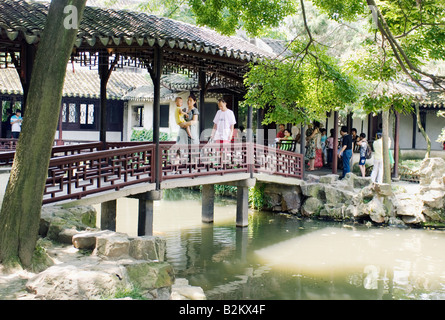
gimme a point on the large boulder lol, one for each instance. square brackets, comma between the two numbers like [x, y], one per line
[148, 248]
[282, 198]
[93, 278]
[432, 189]
[88, 279]
[375, 209]
[291, 202]
[150, 275]
[311, 206]
[112, 245]
[54, 220]
[337, 195]
[432, 172]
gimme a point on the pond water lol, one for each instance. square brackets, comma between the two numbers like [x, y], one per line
[280, 256]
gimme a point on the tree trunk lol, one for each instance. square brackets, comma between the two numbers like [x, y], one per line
[422, 130]
[385, 143]
[20, 212]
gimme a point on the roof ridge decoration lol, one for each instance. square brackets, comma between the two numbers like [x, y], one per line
[111, 26]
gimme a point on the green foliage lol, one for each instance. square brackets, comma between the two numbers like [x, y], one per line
[134, 292]
[339, 10]
[147, 135]
[256, 16]
[300, 88]
[257, 199]
[225, 190]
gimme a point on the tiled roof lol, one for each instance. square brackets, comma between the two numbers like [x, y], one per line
[432, 99]
[146, 93]
[121, 27]
[82, 84]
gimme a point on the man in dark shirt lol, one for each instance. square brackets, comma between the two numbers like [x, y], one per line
[346, 150]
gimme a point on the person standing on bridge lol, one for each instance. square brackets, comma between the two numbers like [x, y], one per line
[223, 124]
[192, 124]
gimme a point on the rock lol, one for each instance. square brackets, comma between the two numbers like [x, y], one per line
[434, 198]
[361, 182]
[181, 290]
[375, 210]
[432, 172]
[312, 178]
[87, 239]
[383, 189]
[112, 245]
[434, 214]
[335, 195]
[54, 219]
[66, 235]
[367, 193]
[148, 248]
[412, 219]
[86, 280]
[329, 178]
[311, 206]
[351, 211]
[150, 275]
[291, 202]
[313, 190]
[333, 211]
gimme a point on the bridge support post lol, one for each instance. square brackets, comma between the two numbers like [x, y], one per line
[145, 215]
[208, 202]
[242, 206]
[108, 215]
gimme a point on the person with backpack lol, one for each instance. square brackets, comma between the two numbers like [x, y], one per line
[364, 153]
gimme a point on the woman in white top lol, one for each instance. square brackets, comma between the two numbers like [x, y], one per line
[223, 124]
[377, 170]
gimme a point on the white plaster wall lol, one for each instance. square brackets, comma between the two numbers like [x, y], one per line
[434, 125]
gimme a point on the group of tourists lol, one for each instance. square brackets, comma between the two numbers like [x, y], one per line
[319, 150]
[319, 147]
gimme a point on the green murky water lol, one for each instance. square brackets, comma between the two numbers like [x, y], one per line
[281, 256]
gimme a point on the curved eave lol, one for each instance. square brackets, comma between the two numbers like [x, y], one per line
[87, 42]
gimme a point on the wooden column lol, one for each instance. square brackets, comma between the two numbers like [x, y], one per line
[105, 70]
[414, 130]
[27, 57]
[302, 147]
[208, 203]
[335, 151]
[104, 76]
[155, 73]
[396, 144]
[202, 90]
[249, 140]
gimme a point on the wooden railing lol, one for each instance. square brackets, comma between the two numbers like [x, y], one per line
[7, 144]
[277, 162]
[75, 176]
[188, 161]
[76, 171]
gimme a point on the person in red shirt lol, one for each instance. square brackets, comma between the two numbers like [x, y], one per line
[280, 133]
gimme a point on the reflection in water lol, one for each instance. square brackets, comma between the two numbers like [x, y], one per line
[285, 257]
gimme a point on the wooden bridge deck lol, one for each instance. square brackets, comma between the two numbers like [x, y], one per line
[88, 171]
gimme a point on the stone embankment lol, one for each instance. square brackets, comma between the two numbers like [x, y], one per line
[75, 261]
[358, 199]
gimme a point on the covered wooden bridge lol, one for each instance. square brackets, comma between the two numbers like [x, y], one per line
[110, 39]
